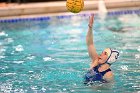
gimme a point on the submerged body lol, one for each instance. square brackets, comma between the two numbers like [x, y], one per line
[95, 75]
[100, 73]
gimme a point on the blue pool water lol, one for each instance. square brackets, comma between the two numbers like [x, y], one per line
[50, 56]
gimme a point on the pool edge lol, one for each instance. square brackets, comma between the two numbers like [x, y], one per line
[60, 7]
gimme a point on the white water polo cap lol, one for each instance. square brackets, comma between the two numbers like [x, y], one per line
[112, 55]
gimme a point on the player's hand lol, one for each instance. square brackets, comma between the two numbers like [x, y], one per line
[91, 21]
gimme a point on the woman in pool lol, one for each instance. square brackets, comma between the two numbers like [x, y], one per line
[100, 66]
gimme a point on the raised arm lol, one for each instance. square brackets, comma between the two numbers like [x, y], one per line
[89, 40]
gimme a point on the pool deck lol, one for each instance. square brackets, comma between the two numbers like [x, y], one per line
[59, 7]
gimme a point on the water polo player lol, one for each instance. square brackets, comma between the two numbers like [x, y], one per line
[100, 66]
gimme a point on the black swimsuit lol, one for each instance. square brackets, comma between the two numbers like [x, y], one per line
[95, 75]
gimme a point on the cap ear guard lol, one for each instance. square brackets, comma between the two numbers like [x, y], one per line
[113, 56]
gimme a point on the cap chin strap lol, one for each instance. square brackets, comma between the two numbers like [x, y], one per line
[105, 63]
[109, 64]
[108, 59]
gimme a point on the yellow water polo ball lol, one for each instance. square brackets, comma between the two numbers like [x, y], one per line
[75, 6]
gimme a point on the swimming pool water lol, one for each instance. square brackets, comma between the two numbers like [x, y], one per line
[50, 56]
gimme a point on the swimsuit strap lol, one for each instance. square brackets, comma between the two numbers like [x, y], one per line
[103, 72]
[105, 63]
[96, 69]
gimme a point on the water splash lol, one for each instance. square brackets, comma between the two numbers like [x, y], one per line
[30, 57]
[124, 68]
[138, 48]
[137, 56]
[2, 33]
[19, 48]
[47, 58]
[18, 61]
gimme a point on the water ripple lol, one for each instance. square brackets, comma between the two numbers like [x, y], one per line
[19, 48]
